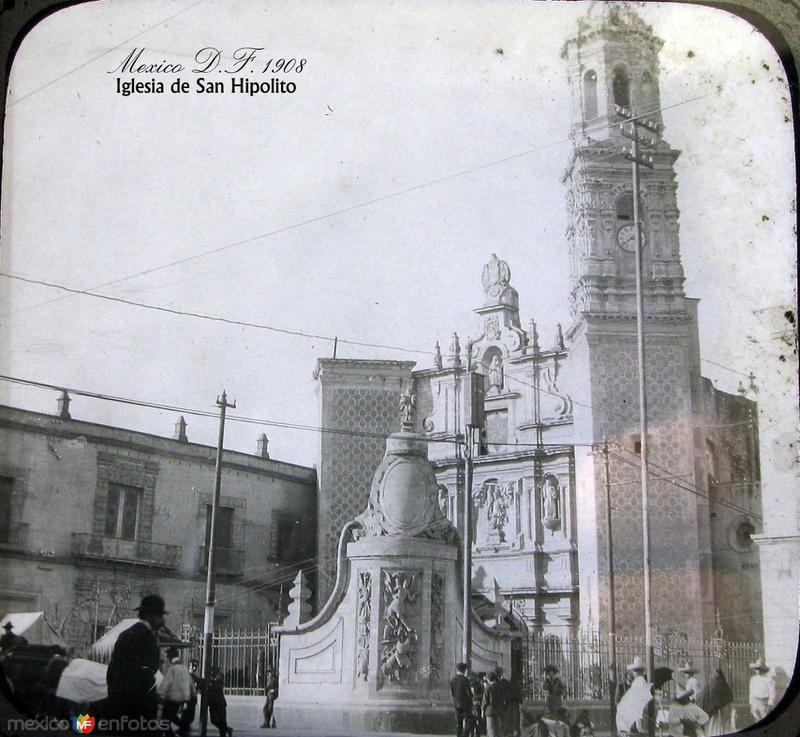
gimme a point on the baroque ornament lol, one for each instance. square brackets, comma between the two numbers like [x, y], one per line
[398, 652]
[364, 611]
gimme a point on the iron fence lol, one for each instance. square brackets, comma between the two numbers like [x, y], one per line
[242, 655]
[584, 662]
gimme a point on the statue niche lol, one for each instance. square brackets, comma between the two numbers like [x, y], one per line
[494, 372]
[551, 503]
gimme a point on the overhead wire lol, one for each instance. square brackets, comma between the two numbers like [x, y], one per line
[350, 208]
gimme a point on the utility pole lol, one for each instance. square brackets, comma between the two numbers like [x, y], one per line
[634, 130]
[612, 616]
[473, 410]
[208, 621]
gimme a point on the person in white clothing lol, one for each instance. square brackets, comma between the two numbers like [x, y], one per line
[692, 685]
[762, 690]
[176, 690]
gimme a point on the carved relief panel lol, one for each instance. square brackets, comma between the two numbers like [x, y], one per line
[401, 604]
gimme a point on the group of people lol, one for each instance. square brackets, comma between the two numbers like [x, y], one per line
[131, 679]
[695, 710]
[489, 703]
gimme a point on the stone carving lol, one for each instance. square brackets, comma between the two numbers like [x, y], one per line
[496, 375]
[437, 357]
[533, 337]
[555, 403]
[496, 276]
[404, 498]
[551, 503]
[492, 328]
[398, 654]
[364, 611]
[496, 498]
[299, 608]
[444, 498]
[437, 626]
[407, 404]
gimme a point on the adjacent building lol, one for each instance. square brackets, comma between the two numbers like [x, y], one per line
[92, 517]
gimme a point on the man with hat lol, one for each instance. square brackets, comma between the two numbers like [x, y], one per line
[554, 688]
[131, 675]
[762, 690]
[692, 686]
[10, 639]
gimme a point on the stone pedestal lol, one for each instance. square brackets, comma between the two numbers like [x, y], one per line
[380, 654]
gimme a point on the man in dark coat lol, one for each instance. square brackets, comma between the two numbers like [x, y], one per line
[131, 675]
[462, 698]
[493, 706]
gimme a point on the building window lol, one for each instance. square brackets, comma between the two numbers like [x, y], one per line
[6, 487]
[621, 87]
[123, 509]
[285, 541]
[624, 208]
[590, 94]
[224, 536]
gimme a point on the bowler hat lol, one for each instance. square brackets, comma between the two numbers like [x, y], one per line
[152, 604]
[688, 668]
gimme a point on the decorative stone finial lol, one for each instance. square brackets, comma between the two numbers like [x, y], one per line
[407, 405]
[533, 337]
[455, 352]
[559, 337]
[299, 608]
[180, 430]
[437, 357]
[262, 447]
[63, 406]
[496, 277]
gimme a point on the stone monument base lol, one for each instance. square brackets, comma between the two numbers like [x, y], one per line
[376, 716]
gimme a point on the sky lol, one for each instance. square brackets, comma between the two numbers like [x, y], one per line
[362, 206]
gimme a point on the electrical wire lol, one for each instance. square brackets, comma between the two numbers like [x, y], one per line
[356, 206]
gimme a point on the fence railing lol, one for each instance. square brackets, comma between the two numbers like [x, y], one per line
[583, 661]
[242, 655]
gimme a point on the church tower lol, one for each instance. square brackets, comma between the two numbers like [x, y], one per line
[613, 60]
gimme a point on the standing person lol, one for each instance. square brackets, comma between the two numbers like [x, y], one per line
[475, 729]
[692, 685]
[131, 675]
[176, 691]
[554, 688]
[217, 705]
[492, 706]
[511, 718]
[504, 689]
[716, 701]
[10, 640]
[686, 719]
[462, 697]
[762, 690]
[270, 694]
[190, 710]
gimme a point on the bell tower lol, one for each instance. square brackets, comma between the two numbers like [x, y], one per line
[612, 60]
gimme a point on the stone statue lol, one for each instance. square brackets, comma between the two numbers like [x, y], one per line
[444, 497]
[407, 404]
[550, 502]
[496, 375]
[496, 276]
[496, 509]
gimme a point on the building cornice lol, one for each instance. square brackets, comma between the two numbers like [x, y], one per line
[42, 424]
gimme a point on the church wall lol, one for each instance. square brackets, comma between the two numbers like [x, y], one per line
[361, 396]
[674, 543]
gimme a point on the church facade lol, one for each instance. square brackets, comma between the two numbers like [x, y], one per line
[557, 468]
